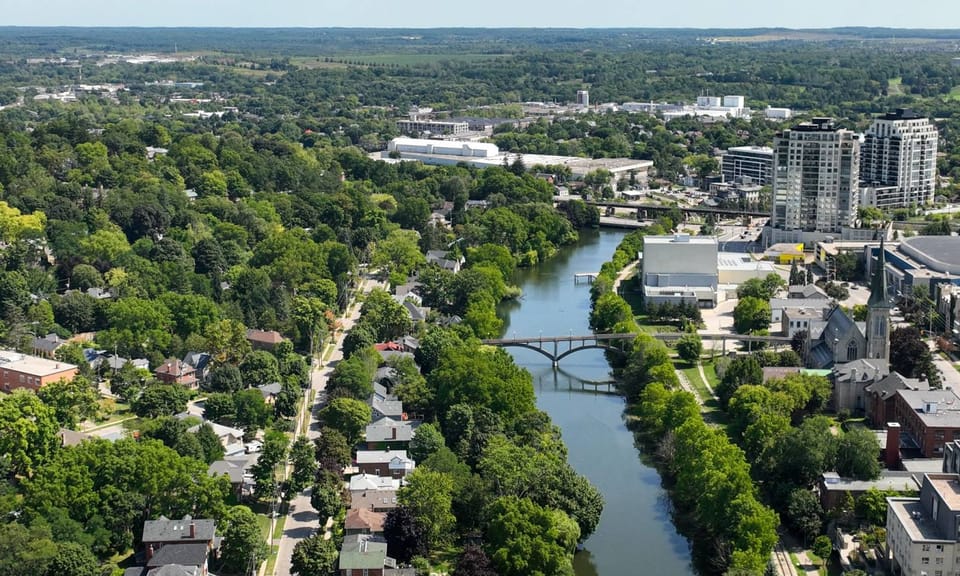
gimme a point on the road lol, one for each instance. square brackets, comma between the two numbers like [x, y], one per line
[302, 520]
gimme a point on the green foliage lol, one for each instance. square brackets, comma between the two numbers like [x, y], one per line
[314, 556]
[72, 400]
[332, 450]
[527, 540]
[751, 315]
[426, 441]
[823, 547]
[25, 551]
[243, 544]
[609, 310]
[326, 499]
[690, 347]
[304, 461]
[161, 400]
[804, 514]
[347, 416]
[73, 559]
[743, 370]
[429, 496]
[28, 431]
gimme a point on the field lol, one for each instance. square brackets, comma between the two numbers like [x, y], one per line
[401, 59]
[954, 94]
[894, 86]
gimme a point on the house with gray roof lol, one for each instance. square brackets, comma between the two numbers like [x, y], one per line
[880, 396]
[177, 547]
[443, 259]
[393, 463]
[389, 406]
[200, 361]
[270, 391]
[364, 482]
[850, 380]
[390, 434]
[839, 339]
[364, 554]
[928, 419]
[47, 345]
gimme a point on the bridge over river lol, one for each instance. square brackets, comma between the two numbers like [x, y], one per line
[553, 346]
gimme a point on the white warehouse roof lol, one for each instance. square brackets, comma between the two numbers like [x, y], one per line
[444, 147]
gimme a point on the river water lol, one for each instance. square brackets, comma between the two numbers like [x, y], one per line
[635, 535]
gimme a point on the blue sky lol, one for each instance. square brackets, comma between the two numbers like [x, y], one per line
[488, 13]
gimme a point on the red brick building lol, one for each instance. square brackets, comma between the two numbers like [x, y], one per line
[22, 371]
[928, 419]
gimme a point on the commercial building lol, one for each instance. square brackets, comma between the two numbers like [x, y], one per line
[816, 179]
[748, 162]
[583, 98]
[926, 261]
[486, 155]
[418, 127]
[22, 371]
[923, 532]
[680, 268]
[898, 160]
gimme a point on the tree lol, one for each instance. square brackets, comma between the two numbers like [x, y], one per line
[209, 443]
[25, 551]
[250, 409]
[226, 342]
[304, 464]
[398, 255]
[872, 506]
[72, 400]
[326, 500]
[73, 559]
[28, 431]
[226, 378]
[857, 454]
[751, 315]
[429, 496]
[405, 535]
[219, 407]
[386, 317]
[243, 545]
[804, 513]
[314, 556]
[425, 442]
[823, 547]
[473, 561]
[743, 370]
[332, 450]
[260, 367]
[347, 416]
[910, 355]
[690, 347]
[161, 400]
[608, 311]
[525, 539]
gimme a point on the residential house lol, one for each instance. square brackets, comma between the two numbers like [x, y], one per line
[806, 292]
[928, 419]
[376, 500]
[71, 437]
[230, 438]
[364, 521]
[443, 259]
[388, 434]
[31, 372]
[389, 407]
[922, 531]
[47, 346]
[175, 371]
[239, 469]
[794, 320]
[393, 463]
[163, 532]
[417, 313]
[409, 290]
[779, 305]
[264, 339]
[364, 482]
[365, 555]
[101, 361]
[410, 343]
[388, 350]
[200, 361]
[385, 379]
[270, 392]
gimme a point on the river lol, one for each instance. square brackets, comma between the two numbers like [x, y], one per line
[635, 535]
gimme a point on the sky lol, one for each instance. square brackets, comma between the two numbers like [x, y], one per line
[488, 13]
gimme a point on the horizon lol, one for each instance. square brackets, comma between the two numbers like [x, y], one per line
[432, 14]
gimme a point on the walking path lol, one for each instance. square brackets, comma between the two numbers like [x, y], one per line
[302, 520]
[687, 387]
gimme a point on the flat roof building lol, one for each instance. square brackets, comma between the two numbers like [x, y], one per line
[898, 159]
[753, 162]
[919, 261]
[680, 269]
[923, 532]
[22, 371]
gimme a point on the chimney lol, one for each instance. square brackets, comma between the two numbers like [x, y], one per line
[393, 433]
[853, 375]
[892, 451]
[193, 530]
[149, 552]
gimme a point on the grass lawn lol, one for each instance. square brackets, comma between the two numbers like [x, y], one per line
[709, 370]
[693, 376]
[894, 86]
[954, 93]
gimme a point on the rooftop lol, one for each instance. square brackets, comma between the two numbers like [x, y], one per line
[680, 239]
[941, 253]
[888, 480]
[359, 553]
[935, 408]
[32, 365]
[753, 149]
[948, 487]
[379, 456]
[911, 515]
[165, 530]
[182, 554]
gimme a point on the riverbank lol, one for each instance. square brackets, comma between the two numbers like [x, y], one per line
[636, 528]
[706, 476]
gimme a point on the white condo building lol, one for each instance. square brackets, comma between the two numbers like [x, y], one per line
[898, 161]
[923, 533]
[816, 178]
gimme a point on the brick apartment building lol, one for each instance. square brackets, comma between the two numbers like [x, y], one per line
[928, 419]
[31, 372]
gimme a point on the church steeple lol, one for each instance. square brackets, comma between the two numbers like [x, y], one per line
[878, 312]
[878, 284]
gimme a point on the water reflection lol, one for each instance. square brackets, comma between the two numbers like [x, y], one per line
[635, 535]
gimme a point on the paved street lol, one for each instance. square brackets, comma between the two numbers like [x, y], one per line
[302, 521]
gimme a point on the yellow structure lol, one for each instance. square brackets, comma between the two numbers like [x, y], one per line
[785, 253]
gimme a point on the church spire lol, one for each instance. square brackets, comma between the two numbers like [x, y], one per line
[878, 285]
